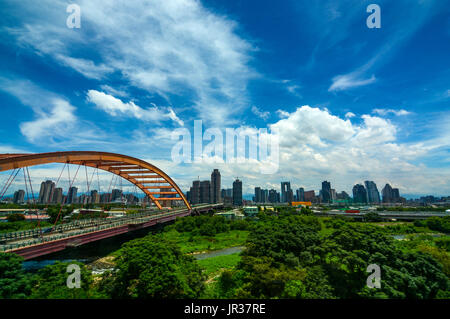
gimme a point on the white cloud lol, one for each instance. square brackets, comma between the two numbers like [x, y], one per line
[282, 114]
[54, 122]
[384, 112]
[348, 81]
[264, 115]
[349, 115]
[115, 107]
[86, 67]
[200, 56]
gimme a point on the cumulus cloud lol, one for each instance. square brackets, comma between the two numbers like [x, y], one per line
[282, 114]
[115, 107]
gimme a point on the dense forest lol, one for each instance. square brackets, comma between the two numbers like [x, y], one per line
[288, 254]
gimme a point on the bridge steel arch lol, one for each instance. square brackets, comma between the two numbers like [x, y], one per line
[136, 171]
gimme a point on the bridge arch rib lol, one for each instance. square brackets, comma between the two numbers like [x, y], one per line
[136, 171]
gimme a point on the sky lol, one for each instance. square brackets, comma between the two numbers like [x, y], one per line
[347, 103]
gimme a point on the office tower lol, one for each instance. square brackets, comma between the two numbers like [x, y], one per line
[272, 196]
[237, 192]
[387, 194]
[195, 192]
[188, 195]
[326, 192]
[300, 194]
[359, 194]
[309, 196]
[215, 186]
[285, 188]
[373, 196]
[116, 195]
[19, 197]
[95, 197]
[333, 195]
[46, 191]
[258, 198]
[289, 196]
[265, 195]
[72, 195]
[205, 192]
[57, 196]
[105, 197]
[396, 195]
[343, 195]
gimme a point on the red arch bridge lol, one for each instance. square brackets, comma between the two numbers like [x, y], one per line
[151, 180]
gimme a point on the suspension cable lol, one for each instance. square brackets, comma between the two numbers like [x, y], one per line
[64, 200]
[9, 184]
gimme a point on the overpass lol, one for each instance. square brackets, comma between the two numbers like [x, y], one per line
[34, 243]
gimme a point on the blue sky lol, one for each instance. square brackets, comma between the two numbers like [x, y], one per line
[351, 103]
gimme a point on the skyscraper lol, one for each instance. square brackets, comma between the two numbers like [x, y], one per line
[215, 186]
[19, 197]
[46, 192]
[273, 197]
[72, 195]
[326, 192]
[301, 194]
[387, 193]
[373, 196]
[195, 192]
[237, 192]
[258, 195]
[359, 194]
[205, 192]
[57, 196]
[285, 188]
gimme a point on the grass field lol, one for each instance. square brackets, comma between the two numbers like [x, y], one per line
[190, 244]
[214, 265]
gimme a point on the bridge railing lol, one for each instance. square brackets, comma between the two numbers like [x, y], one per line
[135, 219]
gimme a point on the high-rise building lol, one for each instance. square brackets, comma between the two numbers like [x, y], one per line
[95, 197]
[333, 195]
[359, 194]
[265, 195]
[116, 195]
[326, 192]
[195, 192]
[309, 196]
[387, 194]
[237, 192]
[215, 186]
[205, 192]
[396, 195]
[19, 197]
[46, 192]
[373, 196]
[72, 195]
[285, 188]
[289, 196]
[300, 194]
[273, 197]
[258, 195]
[57, 196]
[390, 195]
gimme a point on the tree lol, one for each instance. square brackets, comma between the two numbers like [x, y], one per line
[51, 283]
[152, 267]
[14, 282]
